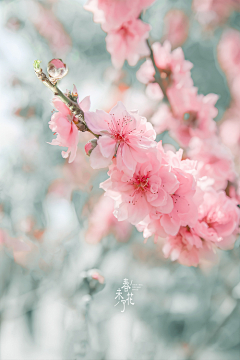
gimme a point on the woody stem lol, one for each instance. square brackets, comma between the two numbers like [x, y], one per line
[75, 109]
[157, 75]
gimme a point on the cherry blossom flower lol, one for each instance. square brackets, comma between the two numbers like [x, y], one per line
[184, 201]
[176, 26]
[188, 248]
[172, 66]
[128, 42]
[214, 161]
[218, 219]
[229, 52]
[63, 123]
[147, 190]
[154, 92]
[214, 12]
[49, 27]
[126, 134]
[111, 14]
[146, 72]
[230, 130]
[193, 114]
[102, 222]
[162, 118]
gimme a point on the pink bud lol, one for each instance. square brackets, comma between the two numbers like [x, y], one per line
[90, 145]
[57, 69]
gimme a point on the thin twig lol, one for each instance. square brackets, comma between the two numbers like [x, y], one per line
[157, 75]
[75, 109]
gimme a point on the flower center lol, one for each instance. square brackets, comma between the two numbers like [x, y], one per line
[190, 118]
[141, 184]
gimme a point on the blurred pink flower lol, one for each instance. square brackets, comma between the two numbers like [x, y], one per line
[128, 42]
[111, 14]
[214, 12]
[146, 72]
[193, 114]
[214, 161]
[218, 219]
[162, 118]
[102, 222]
[172, 65]
[230, 130]
[188, 248]
[176, 26]
[126, 134]
[49, 27]
[62, 123]
[229, 52]
[154, 92]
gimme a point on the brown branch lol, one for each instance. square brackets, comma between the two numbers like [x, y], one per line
[157, 75]
[73, 106]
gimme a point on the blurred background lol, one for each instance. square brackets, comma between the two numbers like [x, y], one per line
[55, 225]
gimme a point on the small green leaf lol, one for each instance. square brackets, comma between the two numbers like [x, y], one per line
[36, 64]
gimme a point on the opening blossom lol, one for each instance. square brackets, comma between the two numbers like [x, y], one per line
[193, 114]
[63, 124]
[218, 219]
[188, 248]
[124, 134]
[111, 14]
[128, 42]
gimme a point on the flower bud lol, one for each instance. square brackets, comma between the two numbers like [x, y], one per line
[90, 145]
[94, 279]
[56, 69]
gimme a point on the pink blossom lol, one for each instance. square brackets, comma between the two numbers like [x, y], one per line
[102, 222]
[146, 72]
[184, 205]
[162, 119]
[154, 92]
[188, 248]
[214, 160]
[192, 114]
[176, 26]
[63, 123]
[230, 130]
[214, 12]
[229, 52]
[218, 219]
[111, 14]
[49, 27]
[146, 191]
[173, 67]
[128, 42]
[124, 134]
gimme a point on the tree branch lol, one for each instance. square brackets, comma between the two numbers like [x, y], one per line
[157, 75]
[75, 109]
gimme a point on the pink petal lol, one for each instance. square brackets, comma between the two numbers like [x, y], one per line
[97, 160]
[97, 121]
[85, 103]
[128, 158]
[170, 225]
[60, 106]
[107, 146]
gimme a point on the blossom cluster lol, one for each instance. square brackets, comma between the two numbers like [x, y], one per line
[189, 198]
[126, 33]
[158, 191]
